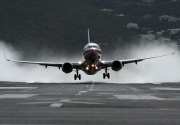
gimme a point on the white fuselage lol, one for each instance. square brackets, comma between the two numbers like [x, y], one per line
[91, 56]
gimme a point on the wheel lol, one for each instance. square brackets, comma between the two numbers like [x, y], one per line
[75, 76]
[79, 76]
[104, 75]
[108, 75]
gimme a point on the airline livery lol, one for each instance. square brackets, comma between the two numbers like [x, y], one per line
[91, 62]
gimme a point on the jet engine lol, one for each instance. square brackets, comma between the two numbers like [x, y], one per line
[116, 65]
[67, 67]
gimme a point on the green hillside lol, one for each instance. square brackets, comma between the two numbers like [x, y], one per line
[58, 25]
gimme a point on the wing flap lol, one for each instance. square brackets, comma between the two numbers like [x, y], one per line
[106, 64]
[141, 59]
[46, 64]
[40, 63]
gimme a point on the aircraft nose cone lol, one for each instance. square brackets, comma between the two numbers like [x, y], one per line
[92, 56]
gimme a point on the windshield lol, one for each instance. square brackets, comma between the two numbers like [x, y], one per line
[91, 45]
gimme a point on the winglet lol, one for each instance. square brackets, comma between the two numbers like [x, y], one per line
[88, 37]
[176, 48]
[174, 52]
[5, 56]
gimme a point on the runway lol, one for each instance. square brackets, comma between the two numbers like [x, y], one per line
[89, 103]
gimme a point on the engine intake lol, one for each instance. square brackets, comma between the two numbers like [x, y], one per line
[67, 67]
[116, 65]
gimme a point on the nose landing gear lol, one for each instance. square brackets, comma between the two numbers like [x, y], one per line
[106, 74]
[77, 75]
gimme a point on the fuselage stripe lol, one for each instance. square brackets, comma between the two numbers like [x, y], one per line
[92, 50]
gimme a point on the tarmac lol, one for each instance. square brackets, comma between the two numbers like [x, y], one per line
[89, 103]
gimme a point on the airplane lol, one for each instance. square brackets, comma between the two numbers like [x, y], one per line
[91, 62]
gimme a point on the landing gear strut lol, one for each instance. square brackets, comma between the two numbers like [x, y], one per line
[77, 75]
[106, 74]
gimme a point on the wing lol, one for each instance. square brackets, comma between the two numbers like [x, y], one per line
[46, 64]
[106, 64]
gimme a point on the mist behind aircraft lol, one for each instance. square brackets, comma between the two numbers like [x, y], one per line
[165, 69]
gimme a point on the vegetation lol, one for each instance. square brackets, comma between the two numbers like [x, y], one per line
[58, 25]
[61, 25]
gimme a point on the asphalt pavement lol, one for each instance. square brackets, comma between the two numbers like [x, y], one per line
[89, 103]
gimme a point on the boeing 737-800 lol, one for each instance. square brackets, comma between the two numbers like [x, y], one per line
[91, 62]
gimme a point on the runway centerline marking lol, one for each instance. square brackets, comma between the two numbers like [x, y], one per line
[16, 96]
[17, 88]
[56, 105]
[65, 100]
[83, 92]
[105, 93]
[79, 102]
[80, 92]
[165, 88]
[138, 97]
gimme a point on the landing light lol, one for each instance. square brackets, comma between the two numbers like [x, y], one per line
[103, 61]
[92, 65]
[79, 62]
[87, 68]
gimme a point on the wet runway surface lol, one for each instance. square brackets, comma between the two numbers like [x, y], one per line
[89, 103]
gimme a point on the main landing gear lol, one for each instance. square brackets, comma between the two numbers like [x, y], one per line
[77, 75]
[106, 74]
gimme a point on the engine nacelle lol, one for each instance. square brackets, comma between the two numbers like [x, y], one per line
[116, 65]
[67, 67]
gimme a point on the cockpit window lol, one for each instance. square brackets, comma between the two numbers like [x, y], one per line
[95, 47]
[91, 46]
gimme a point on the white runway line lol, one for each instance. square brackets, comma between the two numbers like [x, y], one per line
[92, 103]
[65, 100]
[138, 97]
[105, 93]
[165, 88]
[83, 92]
[36, 103]
[78, 102]
[16, 96]
[14, 88]
[69, 101]
[56, 105]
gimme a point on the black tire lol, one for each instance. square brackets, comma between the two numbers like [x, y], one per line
[79, 76]
[108, 75]
[75, 76]
[104, 75]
